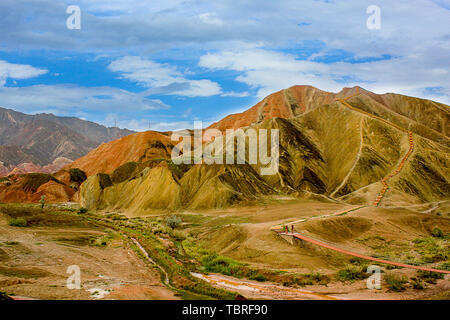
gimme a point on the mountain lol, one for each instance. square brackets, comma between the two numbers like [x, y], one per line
[353, 146]
[37, 141]
[344, 146]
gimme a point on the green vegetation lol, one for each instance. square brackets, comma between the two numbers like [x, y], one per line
[35, 216]
[42, 201]
[419, 251]
[173, 221]
[124, 172]
[432, 249]
[306, 279]
[77, 175]
[32, 181]
[437, 233]
[82, 210]
[429, 276]
[352, 273]
[417, 283]
[18, 222]
[104, 180]
[396, 283]
[445, 266]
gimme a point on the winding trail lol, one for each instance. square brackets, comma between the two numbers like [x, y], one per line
[252, 289]
[375, 203]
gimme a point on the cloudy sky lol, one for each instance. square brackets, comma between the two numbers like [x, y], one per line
[161, 64]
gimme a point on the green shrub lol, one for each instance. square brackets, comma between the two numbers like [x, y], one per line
[437, 233]
[258, 277]
[82, 210]
[352, 273]
[429, 276]
[18, 222]
[417, 283]
[396, 283]
[173, 221]
[77, 175]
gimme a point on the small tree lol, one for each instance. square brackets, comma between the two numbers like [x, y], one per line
[42, 201]
[436, 232]
[173, 221]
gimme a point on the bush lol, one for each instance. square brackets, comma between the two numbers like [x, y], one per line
[173, 221]
[352, 273]
[429, 276]
[396, 283]
[105, 180]
[437, 233]
[18, 222]
[417, 284]
[76, 175]
[82, 210]
[258, 277]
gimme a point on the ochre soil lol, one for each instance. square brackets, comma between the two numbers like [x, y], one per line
[36, 266]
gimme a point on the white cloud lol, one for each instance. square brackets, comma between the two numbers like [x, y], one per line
[164, 78]
[18, 71]
[63, 99]
[211, 18]
[269, 71]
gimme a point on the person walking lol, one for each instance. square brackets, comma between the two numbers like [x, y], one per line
[292, 228]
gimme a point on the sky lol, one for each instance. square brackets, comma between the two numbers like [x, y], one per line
[161, 65]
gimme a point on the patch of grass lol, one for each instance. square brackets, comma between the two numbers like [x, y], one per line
[429, 276]
[352, 273]
[431, 249]
[417, 283]
[437, 233]
[124, 172]
[445, 266]
[213, 262]
[307, 279]
[35, 216]
[18, 222]
[396, 283]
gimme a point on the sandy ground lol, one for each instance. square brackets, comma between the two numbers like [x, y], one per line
[35, 266]
[254, 243]
[333, 291]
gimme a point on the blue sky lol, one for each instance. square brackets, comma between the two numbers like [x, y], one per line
[163, 64]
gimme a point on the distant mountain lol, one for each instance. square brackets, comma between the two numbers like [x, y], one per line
[334, 146]
[34, 141]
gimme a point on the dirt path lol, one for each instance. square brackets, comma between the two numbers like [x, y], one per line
[375, 203]
[257, 290]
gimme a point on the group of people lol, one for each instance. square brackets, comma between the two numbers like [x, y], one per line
[286, 229]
